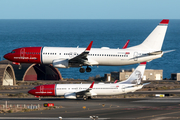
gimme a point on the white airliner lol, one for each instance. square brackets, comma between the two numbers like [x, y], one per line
[74, 91]
[65, 57]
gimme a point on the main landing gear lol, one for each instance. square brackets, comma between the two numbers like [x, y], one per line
[82, 70]
[86, 97]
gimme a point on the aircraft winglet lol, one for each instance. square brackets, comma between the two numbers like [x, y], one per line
[126, 44]
[91, 86]
[115, 81]
[89, 46]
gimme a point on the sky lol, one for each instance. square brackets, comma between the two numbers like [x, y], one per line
[89, 9]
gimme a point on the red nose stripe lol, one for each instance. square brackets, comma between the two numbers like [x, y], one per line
[25, 55]
[32, 55]
[49, 89]
[43, 90]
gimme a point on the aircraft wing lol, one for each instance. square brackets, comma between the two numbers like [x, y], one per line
[82, 58]
[85, 91]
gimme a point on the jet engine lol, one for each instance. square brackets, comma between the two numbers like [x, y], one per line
[61, 63]
[70, 95]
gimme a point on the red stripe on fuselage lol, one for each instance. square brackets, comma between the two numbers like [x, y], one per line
[25, 55]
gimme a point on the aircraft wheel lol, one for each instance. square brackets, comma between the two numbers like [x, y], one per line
[84, 97]
[88, 69]
[81, 70]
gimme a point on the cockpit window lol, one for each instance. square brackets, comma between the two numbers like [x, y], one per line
[13, 52]
[34, 88]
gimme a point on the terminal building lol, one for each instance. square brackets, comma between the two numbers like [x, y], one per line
[149, 74]
[11, 73]
[175, 76]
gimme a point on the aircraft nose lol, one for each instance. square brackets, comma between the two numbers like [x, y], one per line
[30, 92]
[6, 56]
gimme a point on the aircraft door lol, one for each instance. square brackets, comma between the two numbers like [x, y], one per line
[135, 56]
[42, 89]
[123, 88]
[22, 53]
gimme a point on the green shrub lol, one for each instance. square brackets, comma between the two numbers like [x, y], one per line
[10, 111]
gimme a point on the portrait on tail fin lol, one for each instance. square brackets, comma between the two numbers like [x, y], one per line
[138, 78]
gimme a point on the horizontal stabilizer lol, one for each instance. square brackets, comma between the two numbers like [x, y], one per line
[168, 51]
[155, 53]
[145, 84]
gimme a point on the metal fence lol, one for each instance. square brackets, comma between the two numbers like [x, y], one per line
[20, 106]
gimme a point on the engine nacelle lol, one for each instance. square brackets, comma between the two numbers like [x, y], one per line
[61, 63]
[70, 96]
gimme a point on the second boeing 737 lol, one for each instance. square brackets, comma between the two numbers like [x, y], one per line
[86, 91]
[65, 57]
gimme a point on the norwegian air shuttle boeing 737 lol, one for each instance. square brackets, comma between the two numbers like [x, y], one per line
[74, 91]
[65, 57]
